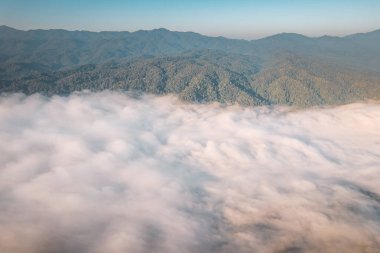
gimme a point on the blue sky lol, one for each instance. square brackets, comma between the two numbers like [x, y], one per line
[246, 19]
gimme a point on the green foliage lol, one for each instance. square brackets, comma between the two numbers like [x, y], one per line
[283, 69]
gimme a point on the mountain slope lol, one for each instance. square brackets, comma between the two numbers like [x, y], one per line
[61, 49]
[206, 76]
[282, 69]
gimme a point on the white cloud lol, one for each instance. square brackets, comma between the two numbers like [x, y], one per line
[104, 172]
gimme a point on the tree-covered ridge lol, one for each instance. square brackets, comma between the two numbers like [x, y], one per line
[282, 69]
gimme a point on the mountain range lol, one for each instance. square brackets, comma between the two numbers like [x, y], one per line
[286, 68]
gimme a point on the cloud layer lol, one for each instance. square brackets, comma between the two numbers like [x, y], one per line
[106, 172]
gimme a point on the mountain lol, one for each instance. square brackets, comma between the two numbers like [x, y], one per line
[349, 52]
[61, 49]
[282, 69]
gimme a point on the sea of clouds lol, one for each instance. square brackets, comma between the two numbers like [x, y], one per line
[108, 172]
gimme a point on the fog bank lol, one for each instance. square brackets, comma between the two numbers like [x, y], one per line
[105, 172]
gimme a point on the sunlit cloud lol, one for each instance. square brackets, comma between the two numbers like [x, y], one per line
[106, 172]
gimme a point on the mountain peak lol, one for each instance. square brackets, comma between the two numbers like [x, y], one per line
[161, 29]
[7, 28]
[370, 36]
[288, 36]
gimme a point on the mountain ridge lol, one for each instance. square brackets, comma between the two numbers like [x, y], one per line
[5, 27]
[286, 68]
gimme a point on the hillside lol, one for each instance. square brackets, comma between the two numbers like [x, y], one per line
[282, 69]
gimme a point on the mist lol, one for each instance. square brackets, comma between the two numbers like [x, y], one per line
[109, 172]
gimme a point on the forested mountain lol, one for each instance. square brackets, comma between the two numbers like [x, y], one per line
[281, 69]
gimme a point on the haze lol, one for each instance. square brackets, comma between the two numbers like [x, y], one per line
[234, 19]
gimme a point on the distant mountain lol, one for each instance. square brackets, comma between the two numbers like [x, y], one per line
[364, 37]
[366, 40]
[352, 52]
[61, 49]
[281, 69]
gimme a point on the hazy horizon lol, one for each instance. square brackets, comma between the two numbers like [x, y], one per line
[238, 19]
[132, 31]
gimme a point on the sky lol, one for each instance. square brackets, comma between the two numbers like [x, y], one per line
[246, 19]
